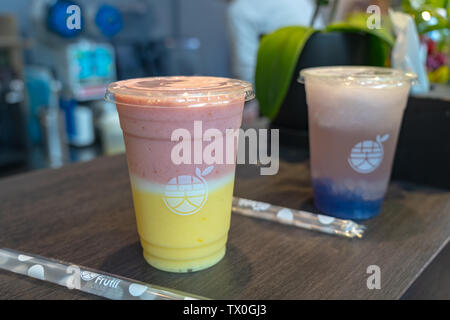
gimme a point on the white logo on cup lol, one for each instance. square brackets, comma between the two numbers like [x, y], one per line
[186, 195]
[367, 155]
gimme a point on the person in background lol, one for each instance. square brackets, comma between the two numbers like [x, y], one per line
[249, 20]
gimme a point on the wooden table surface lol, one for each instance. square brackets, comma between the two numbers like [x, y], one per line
[83, 214]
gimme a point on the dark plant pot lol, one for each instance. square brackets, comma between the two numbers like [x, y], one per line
[322, 49]
[423, 149]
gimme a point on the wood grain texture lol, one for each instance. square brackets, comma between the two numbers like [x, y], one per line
[434, 282]
[83, 214]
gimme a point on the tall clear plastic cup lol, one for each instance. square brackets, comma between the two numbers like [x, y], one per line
[355, 114]
[182, 201]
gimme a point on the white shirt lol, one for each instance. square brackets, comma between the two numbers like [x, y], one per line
[250, 19]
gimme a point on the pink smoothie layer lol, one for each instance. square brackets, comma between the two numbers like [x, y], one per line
[148, 123]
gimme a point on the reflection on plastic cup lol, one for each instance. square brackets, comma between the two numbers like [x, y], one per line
[355, 115]
[182, 210]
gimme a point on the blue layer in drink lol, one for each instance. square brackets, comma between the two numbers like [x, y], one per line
[345, 204]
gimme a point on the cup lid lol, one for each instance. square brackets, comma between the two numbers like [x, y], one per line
[179, 89]
[359, 75]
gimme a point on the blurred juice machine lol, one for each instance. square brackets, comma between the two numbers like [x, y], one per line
[72, 63]
[13, 144]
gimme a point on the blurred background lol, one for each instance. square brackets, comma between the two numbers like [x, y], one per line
[55, 61]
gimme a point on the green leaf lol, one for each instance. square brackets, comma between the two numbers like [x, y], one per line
[277, 57]
[380, 40]
[436, 21]
[357, 22]
[379, 52]
[412, 5]
[279, 52]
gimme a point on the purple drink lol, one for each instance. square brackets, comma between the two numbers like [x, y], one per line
[355, 115]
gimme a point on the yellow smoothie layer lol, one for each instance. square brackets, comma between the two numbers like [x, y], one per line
[189, 240]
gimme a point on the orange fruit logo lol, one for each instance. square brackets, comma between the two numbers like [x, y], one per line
[186, 195]
[367, 155]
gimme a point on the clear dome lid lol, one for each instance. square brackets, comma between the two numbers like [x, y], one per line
[179, 89]
[359, 75]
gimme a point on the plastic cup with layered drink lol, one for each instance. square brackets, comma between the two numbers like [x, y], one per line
[182, 201]
[355, 114]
